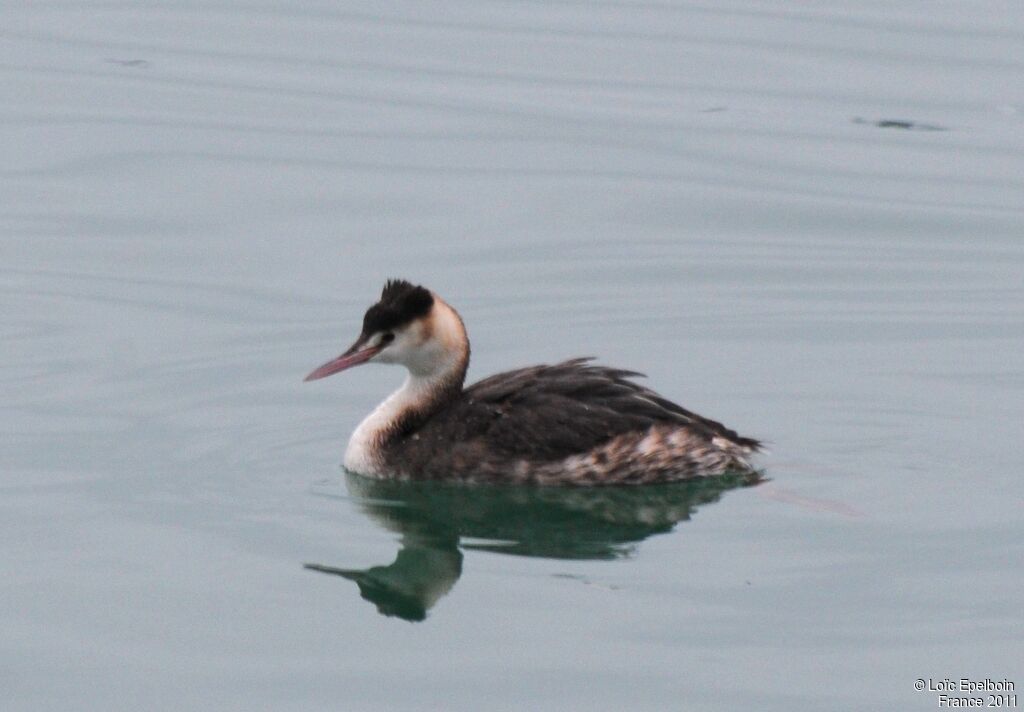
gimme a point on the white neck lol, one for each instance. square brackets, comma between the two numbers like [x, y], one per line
[363, 453]
[437, 366]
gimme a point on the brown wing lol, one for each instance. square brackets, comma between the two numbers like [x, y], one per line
[555, 411]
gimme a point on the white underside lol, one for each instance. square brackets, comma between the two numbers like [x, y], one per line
[363, 455]
[359, 457]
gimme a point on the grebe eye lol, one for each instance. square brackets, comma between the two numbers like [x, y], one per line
[386, 338]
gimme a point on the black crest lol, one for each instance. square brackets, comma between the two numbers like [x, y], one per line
[400, 302]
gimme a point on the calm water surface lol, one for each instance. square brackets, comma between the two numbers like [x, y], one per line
[806, 221]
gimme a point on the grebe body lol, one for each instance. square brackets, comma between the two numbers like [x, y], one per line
[571, 423]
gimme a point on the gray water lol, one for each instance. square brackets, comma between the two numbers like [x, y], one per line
[805, 220]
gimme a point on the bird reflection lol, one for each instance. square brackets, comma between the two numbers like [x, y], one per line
[437, 521]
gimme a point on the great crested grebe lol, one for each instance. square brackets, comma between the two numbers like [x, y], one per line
[570, 423]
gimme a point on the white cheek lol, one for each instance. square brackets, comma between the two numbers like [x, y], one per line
[398, 351]
[418, 350]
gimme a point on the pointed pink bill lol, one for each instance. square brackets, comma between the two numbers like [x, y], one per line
[352, 357]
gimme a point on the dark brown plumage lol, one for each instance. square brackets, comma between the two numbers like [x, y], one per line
[523, 425]
[400, 303]
[571, 423]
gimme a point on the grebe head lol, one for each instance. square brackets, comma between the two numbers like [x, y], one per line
[411, 326]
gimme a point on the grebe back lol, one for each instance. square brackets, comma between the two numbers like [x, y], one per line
[571, 423]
